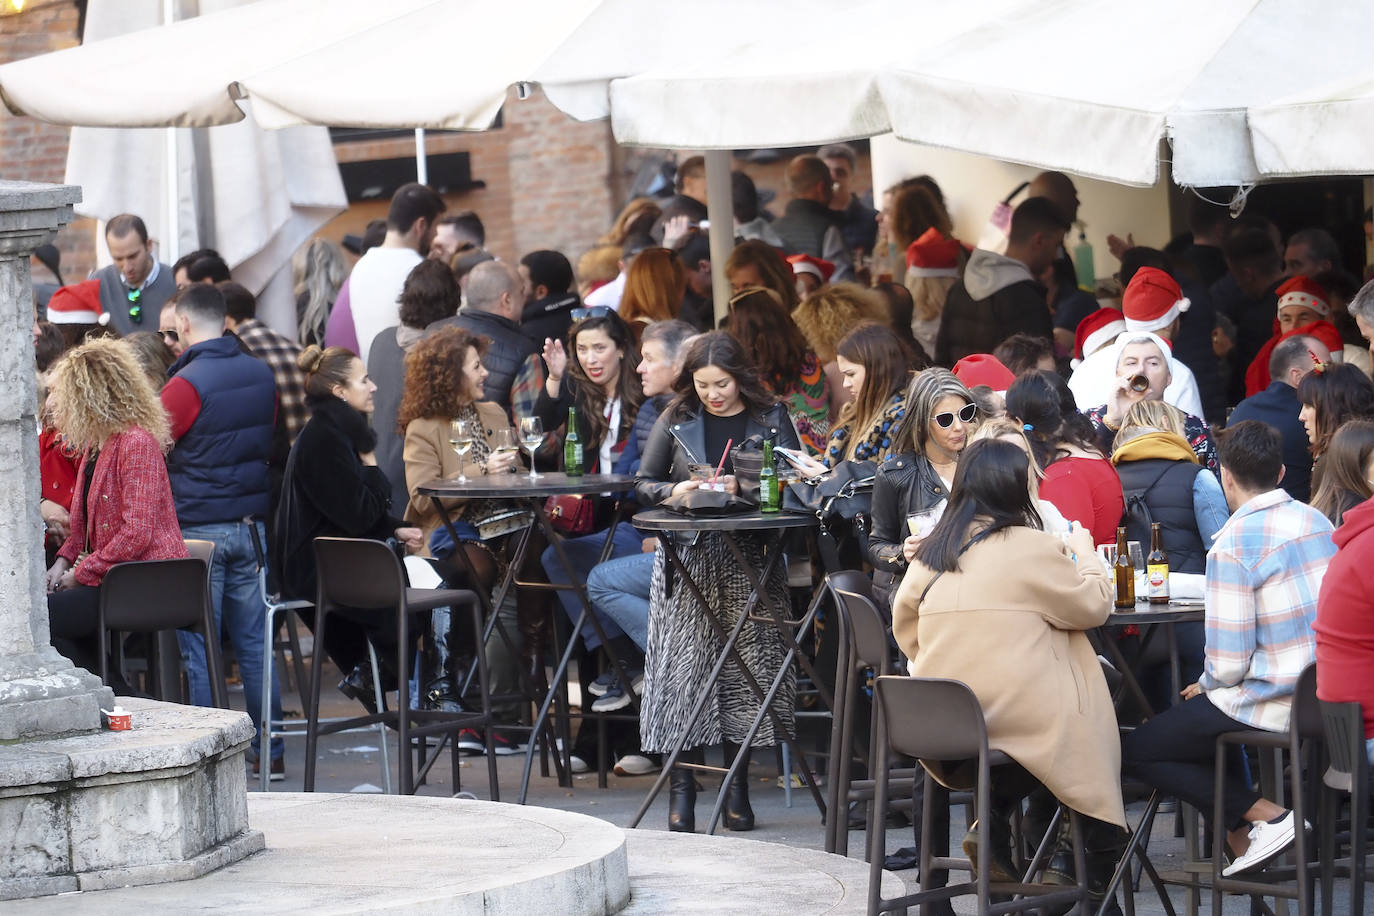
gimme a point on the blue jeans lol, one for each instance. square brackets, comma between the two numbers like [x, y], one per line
[239, 609]
[1369, 748]
[619, 590]
[582, 554]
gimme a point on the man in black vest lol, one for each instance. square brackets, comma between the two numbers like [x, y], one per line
[808, 225]
[221, 404]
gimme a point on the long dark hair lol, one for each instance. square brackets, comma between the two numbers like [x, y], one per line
[1342, 485]
[990, 483]
[1337, 392]
[590, 400]
[719, 349]
[764, 327]
[879, 350]
[1043, 403]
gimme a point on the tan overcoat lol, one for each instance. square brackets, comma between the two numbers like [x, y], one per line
[428, 456]
[1009, 623]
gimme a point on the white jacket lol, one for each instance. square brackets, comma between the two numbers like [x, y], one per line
[1092, 382]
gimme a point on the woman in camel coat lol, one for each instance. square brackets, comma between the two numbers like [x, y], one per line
[1006, 616]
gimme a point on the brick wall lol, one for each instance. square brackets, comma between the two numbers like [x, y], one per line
[31, 150]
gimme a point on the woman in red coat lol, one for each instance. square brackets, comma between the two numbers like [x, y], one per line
[122, 503]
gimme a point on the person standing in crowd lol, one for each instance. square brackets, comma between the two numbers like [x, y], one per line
[1278, 405]
[826, 316]
[367, 302]
[454, 233]
[720, 399]
[280, 355]
[203, 265]
[319, 270]
[807, 224]
[857, 219]
[608, 295]
[654, 288]
[1022, 353]
[940, 416]
[754, 264]
[787, 366]
[333, 488]
[153, 356]
[934, 260]
[690, 199]
[134, 288]
[1309, 252]
[1304, 308]
[1256, 270]
[998, 295]
[1361, 309]
[1331, 395]
[1263, 576]
[550, 297]
[1349, 469]
[222, 405]
[698, 307]
[122, 511]
[430, 295]
[1079, 479]
[749, 222]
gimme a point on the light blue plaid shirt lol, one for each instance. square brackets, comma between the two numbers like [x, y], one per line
[1263, 576]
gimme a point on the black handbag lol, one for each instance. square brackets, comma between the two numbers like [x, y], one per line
[845, 494]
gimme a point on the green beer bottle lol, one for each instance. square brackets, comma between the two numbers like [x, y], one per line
[770, 498]
[572, 447]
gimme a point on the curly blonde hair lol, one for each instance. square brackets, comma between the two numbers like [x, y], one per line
[102, 390]
[831, 312]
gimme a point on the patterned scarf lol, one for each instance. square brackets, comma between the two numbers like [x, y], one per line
[876, 443]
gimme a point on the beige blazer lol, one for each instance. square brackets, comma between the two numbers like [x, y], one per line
[428, 456]
[1009, 623]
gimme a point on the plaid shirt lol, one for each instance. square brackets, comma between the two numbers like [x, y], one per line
[280, 354]
[1263, 576]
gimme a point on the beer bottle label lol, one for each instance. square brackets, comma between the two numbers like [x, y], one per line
[1157, 580]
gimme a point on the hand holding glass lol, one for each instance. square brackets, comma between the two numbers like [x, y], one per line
[503, 442]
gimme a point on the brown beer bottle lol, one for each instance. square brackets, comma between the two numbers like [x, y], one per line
[1125, 574]
[1157, 568]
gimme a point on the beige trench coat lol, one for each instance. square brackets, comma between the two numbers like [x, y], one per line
[1009, 623]
[428, 456]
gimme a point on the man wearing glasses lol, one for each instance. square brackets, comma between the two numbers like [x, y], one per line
[135, 287]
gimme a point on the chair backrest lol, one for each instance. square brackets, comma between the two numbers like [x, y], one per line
[151, 595]
[201, 550]
[1345, 746]
[931, 718]
[858, 611]
[358, 573]
[1307, 714]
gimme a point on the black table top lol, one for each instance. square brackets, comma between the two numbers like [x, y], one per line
[516, 486]
[1188, 611]
[664, 520]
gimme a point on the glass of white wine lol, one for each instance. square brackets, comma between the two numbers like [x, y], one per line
[531, 437]
[502, 441]
[460, 434]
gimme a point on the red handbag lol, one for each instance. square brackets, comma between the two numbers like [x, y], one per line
[572, 514]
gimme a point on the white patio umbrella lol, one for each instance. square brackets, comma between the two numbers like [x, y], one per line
[1324, 130]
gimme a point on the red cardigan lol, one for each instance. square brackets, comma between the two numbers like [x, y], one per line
[131, 511]
[1345, 616]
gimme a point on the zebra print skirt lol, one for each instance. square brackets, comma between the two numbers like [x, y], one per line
[682, 648]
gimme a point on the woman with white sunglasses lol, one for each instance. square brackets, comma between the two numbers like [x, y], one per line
[940, 419]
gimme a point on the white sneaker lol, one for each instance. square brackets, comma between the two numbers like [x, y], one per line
[1267, 839]
[578, 765]
[636, 765]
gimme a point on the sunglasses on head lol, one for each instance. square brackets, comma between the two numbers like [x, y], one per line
[593, 311]
[966, 414]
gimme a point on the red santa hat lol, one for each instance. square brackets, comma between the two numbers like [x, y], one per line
[1096, 331]
[806, 264]
[984, 369]
[933, 255]
[1306, 293]
[1152, 300]
[77, 304]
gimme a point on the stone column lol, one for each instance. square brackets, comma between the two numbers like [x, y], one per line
[41, 692]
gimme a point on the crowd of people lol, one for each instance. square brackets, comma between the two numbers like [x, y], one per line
[1013, 423]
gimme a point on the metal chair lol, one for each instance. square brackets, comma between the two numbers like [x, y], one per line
[366, 575]
[1304, 724]
[1347, 774]
[160, 597]
[938, 719]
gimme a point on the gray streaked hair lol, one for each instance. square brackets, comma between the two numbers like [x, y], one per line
[925, 390]
[1362, 306]
[487, 281]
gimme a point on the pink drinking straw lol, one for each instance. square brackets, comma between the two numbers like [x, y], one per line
[720, 467]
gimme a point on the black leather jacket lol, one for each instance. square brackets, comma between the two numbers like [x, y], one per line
[678, 441]
[905, 484]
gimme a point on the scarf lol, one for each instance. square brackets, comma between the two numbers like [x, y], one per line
[352, 423]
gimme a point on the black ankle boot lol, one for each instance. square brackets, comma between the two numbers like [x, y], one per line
[358, 685]
[737, 814]
[682, 794]
[438, 669]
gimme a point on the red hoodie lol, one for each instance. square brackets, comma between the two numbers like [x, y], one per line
[1345, 617]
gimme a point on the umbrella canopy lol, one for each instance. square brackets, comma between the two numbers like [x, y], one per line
[1326, 130]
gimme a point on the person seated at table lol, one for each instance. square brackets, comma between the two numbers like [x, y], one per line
[874, 370]
[333, 488]
[1332, 394]
[1163, 482]
[443, 383]
[104, 408]
[1348, 471]
[1078, 479]
[988, 589]
[940, 416]
[596, 374]
[720, 399]
[1264, 572]
[1344, 627]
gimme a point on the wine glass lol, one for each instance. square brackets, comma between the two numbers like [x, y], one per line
[503, 440]
[460, 434]
[531, 436]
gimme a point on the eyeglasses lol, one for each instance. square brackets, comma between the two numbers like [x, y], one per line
[169, 335]
[135, 308]
[966, 414]
[593, 311]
